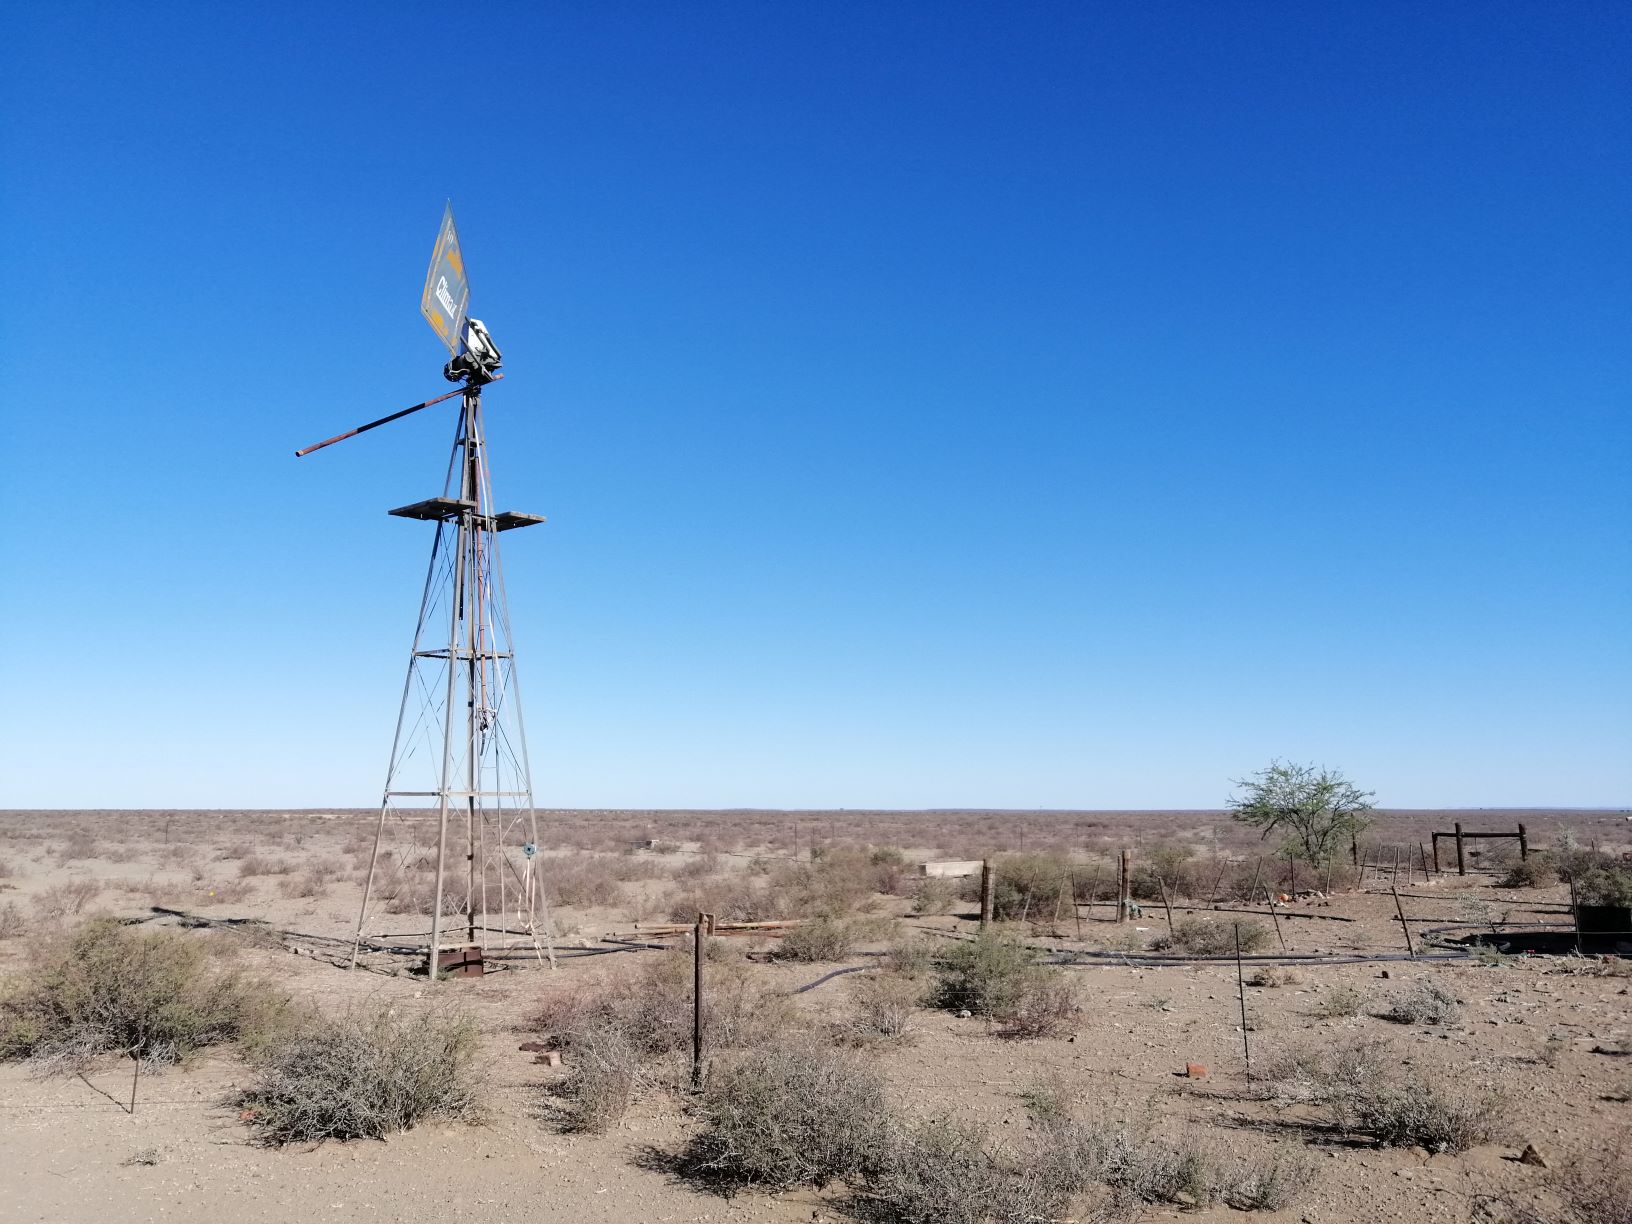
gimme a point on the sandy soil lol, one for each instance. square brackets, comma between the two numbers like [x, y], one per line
[76, 1153]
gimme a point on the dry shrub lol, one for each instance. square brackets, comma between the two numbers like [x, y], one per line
[13, 921]
[1597, 1191]
[1532, 872]
[995, 976]
[911, 956]
[66, 900]
[6, 869]
[106, 988]
[230, 892]
[362, 1076]
[1338, 1002]
[883, 1005]
[1423, 1002]
[827, 939]
[933, 896]
[789, 1114]
[615, 1032]
[310, 884]
[1362, 1089]
[579, 883]
[942, 1170]
[1204, 937]
[260, 865]
[80, 845]
[1271, 976]
[606, 1073]
[1400, 1114]
[1031, 887]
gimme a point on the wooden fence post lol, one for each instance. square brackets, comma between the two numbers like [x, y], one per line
[1124, 885]
[988, 893]
[1461, 865]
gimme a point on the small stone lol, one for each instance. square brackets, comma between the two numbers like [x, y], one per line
[1383, 974]
[964, 1014]
[1532, 1155]
[549, 1058]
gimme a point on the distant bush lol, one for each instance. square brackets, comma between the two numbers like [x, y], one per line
[362, 1076]
[934, 896]
[1534, 872]
[1202, 937]
[107, 988]
[66, 900]
[789, 1114]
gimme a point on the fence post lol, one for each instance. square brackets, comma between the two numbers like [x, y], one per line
[1162, 884]
[1400, 910]
[1124, 885]
[1434, 837]
[1524, 845]
[1241, 993]
[1461, 865]
[699, 933]
[988, 892]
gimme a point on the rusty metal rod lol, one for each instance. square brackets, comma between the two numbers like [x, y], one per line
[385, 420]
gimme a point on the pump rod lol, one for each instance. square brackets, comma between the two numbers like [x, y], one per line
[385, 420]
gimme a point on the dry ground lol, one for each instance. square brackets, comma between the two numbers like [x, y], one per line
[1547, 1033]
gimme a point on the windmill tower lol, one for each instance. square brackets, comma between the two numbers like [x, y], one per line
[456, 846]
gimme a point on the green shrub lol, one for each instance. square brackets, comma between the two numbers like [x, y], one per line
[1534, 872]
[362, 1076]
[1031, 887]
[789, 1114]
[1606, 883]
[107, 988]
[983, 975]
[994, 976]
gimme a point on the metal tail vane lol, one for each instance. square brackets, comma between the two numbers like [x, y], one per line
[459, 782]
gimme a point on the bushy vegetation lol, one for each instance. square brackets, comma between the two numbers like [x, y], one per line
[788, 1114]
[1361, 1087]
[1031, 887]
[883, 1004]
[617, 1032]
[995, 976]
[1424, 1002]
[1203, 937]
[824, 939]
[108, 988]
[362, 1076]
[1533, 872]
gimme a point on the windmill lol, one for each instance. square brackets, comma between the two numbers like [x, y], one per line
[458, 792]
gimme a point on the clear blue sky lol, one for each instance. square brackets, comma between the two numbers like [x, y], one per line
[1037, 404]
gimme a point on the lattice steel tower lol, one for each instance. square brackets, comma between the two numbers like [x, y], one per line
[457, 836]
